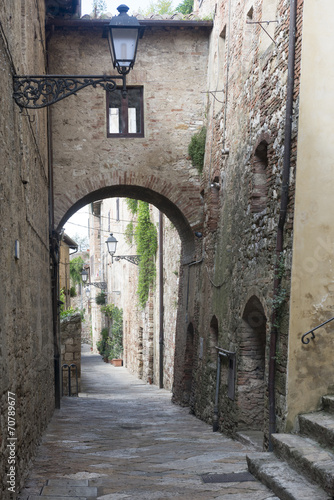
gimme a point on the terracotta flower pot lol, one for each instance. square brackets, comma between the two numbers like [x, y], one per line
[117, 362]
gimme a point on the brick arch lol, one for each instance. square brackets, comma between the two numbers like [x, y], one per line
[259, 181]
[181, 204]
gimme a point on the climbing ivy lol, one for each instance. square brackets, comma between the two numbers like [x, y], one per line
[146, 240]
[147, 243]
[132, 205]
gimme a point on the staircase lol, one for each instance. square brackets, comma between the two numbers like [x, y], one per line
[301, 466]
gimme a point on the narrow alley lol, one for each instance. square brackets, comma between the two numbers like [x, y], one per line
[123, 439]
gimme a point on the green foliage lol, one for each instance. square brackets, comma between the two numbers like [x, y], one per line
[280, 266]
[196, 149]
[158, 7]
[100, 299]
[132, 205]
[147, 243]
[186, 7]
[99, 6]
[73, 293]
[76, 266]
[129, 233]
[111, 344]
[145, 236]
[101, 344]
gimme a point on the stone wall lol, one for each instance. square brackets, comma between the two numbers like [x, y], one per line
[156, 167]
[241, 193]
[70, 341]
[26, 345]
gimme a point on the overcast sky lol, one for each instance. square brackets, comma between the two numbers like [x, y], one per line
[134, 5]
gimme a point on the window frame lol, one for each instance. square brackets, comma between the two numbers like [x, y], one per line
[124, 112]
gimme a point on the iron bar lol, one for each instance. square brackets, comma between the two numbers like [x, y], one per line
[39, 91]
[267, 23]
[307, 341]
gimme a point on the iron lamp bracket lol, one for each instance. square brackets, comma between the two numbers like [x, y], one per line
[40, 91]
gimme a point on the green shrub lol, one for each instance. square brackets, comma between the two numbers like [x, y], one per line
[100, 299]
[196, 149]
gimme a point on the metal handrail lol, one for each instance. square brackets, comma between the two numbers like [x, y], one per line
[307, 341]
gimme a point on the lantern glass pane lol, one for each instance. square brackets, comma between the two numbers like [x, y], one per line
[125, 43]
[111, 247]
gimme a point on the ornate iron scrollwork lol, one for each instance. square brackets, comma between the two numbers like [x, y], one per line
[36, 92]
[134, 259]
[102, 285]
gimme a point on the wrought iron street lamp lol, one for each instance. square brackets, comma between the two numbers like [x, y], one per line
[123, 35]
[86, 281]
[39, 91]
[112, 245]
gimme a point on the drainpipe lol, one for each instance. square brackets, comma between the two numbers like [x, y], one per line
[54, 254]
[283, 212]
[161, 303]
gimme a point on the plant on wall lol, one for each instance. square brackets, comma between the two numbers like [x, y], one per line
[113, 346]
[76, 266]
[100, 299]
[196, 149]
[147, 243]
[146, 239]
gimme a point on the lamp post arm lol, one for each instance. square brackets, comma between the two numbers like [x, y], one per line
[39, 91]
[134, 259]
[99, 284]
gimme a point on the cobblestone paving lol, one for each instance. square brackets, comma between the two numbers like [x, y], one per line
[122, 439]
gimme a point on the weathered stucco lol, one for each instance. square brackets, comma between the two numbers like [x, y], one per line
[310, 367]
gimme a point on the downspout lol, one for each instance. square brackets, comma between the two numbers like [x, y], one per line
[161, 303]
[282, 216]
[54, 258]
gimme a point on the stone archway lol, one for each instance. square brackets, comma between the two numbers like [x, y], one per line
[251, 366]
[182, 207]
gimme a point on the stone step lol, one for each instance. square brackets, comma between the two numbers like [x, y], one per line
[252, 438]
[328, 403]
[307, 457]
[318, 426]
[285, 482]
